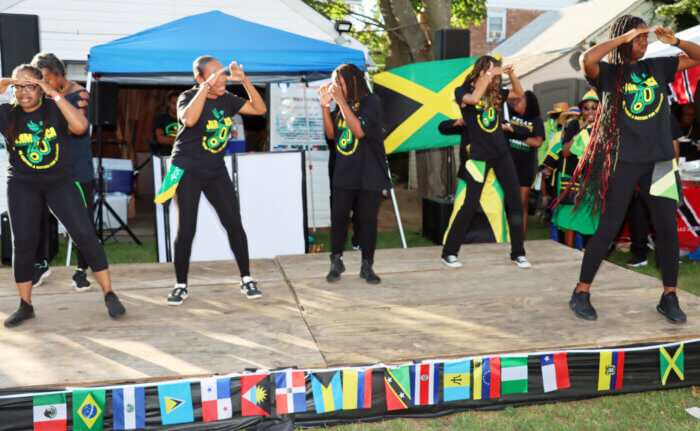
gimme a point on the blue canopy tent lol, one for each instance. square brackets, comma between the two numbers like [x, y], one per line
[164, 54]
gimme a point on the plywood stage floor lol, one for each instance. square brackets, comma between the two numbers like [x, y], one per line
[420, 310]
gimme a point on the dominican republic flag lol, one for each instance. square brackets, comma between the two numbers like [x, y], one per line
[216, 399]
[487, 378]
[424, 384]
[555, 371]
[129, 408]
[290, 392]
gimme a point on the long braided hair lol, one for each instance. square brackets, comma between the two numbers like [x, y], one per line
[355, 84]
[13, 128]
[597, 164]
[483, 64]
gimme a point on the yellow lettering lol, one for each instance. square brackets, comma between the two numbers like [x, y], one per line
[651, 82]
[227, 121]
[50, 133]
[212, 125]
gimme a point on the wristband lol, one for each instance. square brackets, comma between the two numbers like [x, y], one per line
[488, 72]
[208, 86]
[678, 41]
[325, 105]
[57, 97]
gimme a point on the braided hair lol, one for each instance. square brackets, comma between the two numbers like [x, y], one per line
[355, 84]
[597, 164]
[483, 64]
[13, 129]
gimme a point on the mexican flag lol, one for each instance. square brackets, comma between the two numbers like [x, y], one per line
[50, 412]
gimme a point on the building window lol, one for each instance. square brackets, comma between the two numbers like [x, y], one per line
[495, 25]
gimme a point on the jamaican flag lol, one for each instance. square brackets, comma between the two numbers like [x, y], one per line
[416, 98]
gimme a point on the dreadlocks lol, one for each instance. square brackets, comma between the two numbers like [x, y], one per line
[597, 163]
[355, 84]
[483, 64]
[12, 132]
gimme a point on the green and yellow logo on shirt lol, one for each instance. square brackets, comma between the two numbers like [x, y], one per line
[36, 148]
[644, 92]
[486, 116]
[217, 131]
[347, 143]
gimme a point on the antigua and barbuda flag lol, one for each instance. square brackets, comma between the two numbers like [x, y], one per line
[610, 370]
[357, 388]
[50, 412]
[487, 378]
[290, 392]
[88, 410]
[216, 398]
[175, 401]
[425, 384]
[129, 408]
[255, 395]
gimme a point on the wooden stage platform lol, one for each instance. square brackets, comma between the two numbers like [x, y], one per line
[420, 310]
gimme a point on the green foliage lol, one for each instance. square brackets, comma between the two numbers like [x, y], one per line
[678, 14]
[679, 8]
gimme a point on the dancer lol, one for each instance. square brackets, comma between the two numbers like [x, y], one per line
[480, 99]
[361, 171]
[80, 146]
[197, 166]
[631, 147]
[525, 133]
[40, 173]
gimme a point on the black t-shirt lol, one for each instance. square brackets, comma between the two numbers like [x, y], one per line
[483, 123]
[570, 131]
[645, 129]
[39, 149]
[199, 149]
[167, 124]
[523, 154]
[360, 164]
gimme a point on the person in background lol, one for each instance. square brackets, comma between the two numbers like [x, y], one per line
[552, 135]
[689, 142]
[525, 134]
[40, 174]
[165, 126]
[80, 148]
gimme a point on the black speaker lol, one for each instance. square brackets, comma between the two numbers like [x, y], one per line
[103, 103]
[436, 217]
[19, 40]
[451, 43]
[6, 240]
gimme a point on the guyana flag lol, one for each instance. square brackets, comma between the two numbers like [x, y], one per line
[416, 98]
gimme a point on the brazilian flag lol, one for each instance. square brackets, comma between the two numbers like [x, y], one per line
[416, 98]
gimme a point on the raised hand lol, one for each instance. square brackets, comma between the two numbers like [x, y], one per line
[46, 88]
[337, 93]
[6, 82]
[508, 69]
[496, 70]
[214, 76]
[665, 35]
[324, 94]
[235, 72]
[632, 34]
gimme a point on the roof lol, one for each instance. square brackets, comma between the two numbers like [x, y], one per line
[69, 28]
[565, 28]
[528, 63]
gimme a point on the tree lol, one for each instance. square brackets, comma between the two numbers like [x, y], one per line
[683, 14]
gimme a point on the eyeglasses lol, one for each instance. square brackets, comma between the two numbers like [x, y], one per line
[28, 87]
[590, 108]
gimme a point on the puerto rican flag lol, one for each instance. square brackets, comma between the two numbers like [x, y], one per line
[216, 399]
[424, 384]
[555, 371]
[290, 392]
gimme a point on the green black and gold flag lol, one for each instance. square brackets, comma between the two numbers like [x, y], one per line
[416, 98]
[671, 364]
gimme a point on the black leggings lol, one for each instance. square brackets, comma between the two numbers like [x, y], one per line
[25, 202]
[617, 199]
[504, 168]
[221, 195]
[366, 203]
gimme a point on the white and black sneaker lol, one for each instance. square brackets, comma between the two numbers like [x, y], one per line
[451, 261]
[249, 288]
[80, 281]
[178, 295]
[637, 261]
[522, 262]
[41, 273]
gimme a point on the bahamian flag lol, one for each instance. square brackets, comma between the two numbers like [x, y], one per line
[327, 389]
[170, 182]
[456, 380]
[670, 363]
[175, 400]
[416, 98]
[88, 410]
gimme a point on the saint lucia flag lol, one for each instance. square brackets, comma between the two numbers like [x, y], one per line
[170, 182]
[456, 380]
[129, 408]
[327, 390]
[216, 398]
[424, 384]
[610, 370]
[357, 388]
[175, 401]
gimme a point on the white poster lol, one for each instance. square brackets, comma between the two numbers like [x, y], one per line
[290, 106]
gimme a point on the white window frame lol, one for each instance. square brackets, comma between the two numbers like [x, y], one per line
[495, 13]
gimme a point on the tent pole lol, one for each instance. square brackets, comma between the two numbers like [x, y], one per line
[308, 156]
[396, 211]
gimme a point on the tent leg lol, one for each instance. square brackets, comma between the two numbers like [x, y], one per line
[70, 250]
[398, 214]
[308, 158]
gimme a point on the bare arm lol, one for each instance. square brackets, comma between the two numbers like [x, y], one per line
[535, 141]
[326, 99]
[479, 89]
[193, 110]
[692, 50]
[77, 123]
[162, 139]
[255, 105]
[354, 123]
[591, 57]
[517, 90]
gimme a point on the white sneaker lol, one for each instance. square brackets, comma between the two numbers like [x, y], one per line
[451, 261]
[522, 262]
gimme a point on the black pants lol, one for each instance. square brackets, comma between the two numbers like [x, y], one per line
[504, 168]
[663, 216]
[366, 204]
[639, 226]
[221, 195]
[25, 202]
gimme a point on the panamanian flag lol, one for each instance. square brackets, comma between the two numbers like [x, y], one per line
[129, 408]
[555, 371]
[290, 392]
[424, 384]
[216, 399]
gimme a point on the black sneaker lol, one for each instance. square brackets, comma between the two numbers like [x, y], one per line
[80, 281]
[24, 312]
[580, 302]
[249, 288]
[367, 272]
[41, 273]
[637, 261]
[114, 306]
[668, 306]
[178, 294]
[337, 268]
